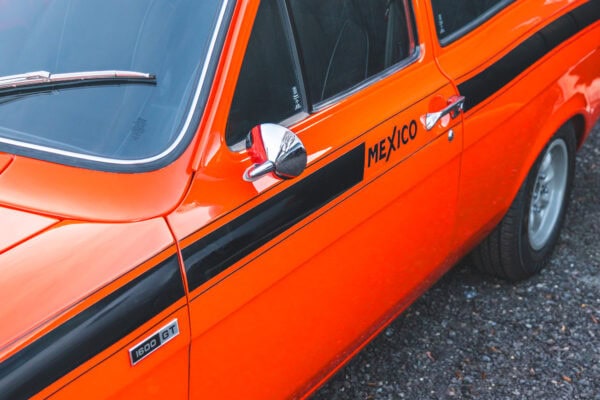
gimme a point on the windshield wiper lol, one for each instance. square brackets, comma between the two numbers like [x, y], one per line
[43, 79]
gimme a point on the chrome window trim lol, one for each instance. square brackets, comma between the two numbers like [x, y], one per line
[294, 119]
[369, 81]
[413, 57]
[301, 115]
[176, 142]
[319, 106]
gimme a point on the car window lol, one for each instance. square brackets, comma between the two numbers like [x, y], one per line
[118, 124]
[340, 44]
[454, 19]
[268, 88]
[344, 42]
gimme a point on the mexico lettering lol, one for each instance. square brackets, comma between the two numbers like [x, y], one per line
[383, 150]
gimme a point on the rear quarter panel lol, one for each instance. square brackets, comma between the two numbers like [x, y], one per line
[525, 72]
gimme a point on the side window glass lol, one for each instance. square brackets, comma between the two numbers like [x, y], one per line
[455, 18]
[344, 42]
[267, 89]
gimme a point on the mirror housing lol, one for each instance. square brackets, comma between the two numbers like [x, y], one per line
[275, 149]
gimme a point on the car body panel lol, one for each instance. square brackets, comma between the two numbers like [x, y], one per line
[163, 373]
[275, 284]
[76, 193]
[249, 320]
[232, 306]
[19, 226]
[517, 111]
[5, 160]
[108, 258]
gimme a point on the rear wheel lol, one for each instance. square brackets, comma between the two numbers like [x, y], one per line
[522, 242]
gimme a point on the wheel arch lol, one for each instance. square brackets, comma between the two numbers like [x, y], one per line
[571, 112]
[581, 128]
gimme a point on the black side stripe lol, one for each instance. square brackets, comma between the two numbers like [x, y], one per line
[223, 247]
[496, 76]
[90, 332]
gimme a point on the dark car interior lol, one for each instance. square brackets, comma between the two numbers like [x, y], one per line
[340, 44]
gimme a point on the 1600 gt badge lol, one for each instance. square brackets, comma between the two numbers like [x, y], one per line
[153, 342]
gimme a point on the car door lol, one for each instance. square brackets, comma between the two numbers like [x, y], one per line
[508, 59]
[288, 278]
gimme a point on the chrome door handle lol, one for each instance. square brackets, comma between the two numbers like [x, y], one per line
[453, 109]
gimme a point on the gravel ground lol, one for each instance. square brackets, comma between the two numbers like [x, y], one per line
[474, 337]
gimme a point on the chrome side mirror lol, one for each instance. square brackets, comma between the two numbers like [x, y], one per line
[275, 149]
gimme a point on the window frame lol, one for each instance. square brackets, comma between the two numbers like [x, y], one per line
[471, 26]
[310, 107]
[194, 107]
[315, 107]
[298, 73]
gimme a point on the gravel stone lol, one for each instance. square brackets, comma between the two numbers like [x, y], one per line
[476, 337]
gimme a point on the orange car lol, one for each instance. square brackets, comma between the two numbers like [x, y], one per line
[227, 200]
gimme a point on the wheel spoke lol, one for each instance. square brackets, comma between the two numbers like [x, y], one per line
[543, 202]
[548, 194]
[548, 174]
[546, 163]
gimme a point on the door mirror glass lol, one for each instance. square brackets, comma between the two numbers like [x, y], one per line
[274, 149]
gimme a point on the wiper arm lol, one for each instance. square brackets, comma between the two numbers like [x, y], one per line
[11, 83]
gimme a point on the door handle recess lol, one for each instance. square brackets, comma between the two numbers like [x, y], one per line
[453, 109]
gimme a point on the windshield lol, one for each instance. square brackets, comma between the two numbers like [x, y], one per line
[120, 123]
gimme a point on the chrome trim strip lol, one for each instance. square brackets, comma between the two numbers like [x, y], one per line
[369, 81]
[166, 152]
[413, 57]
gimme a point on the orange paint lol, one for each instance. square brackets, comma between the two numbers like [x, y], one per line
[274, 319]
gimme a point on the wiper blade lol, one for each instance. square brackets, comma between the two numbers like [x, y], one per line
[28, 80]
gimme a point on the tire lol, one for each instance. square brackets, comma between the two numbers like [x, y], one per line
[522, 243]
